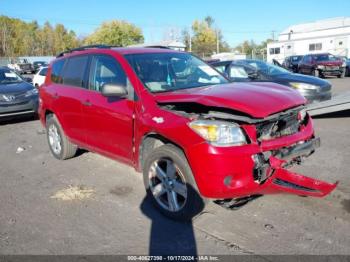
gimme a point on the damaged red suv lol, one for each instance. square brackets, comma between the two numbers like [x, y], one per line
[194, 135]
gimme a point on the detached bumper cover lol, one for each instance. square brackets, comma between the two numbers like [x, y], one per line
[223, 173]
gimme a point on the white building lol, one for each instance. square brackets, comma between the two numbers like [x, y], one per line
[228, 56]
[329, 35]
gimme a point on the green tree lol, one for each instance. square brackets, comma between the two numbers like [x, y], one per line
[19, 38]
[252, 49]
[116, 32]
[205, 38]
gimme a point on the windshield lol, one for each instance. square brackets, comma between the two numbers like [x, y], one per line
[7, 76]
[296, 58]
[326, 57]
[268, 69]
[162, 72]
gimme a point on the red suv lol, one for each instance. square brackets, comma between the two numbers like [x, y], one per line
[321, 65]
[194, 135]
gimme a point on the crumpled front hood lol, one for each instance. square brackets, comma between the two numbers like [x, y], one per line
[258, 99]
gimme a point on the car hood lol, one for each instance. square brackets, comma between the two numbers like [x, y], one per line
[258, 100]
[304, 79]
[15, 88]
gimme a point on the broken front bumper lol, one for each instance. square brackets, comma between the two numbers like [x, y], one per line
[255, 169]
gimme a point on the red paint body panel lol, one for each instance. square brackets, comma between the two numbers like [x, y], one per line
[116, 128]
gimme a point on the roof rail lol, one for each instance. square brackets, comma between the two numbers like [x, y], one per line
[82, 48]
[156, 46]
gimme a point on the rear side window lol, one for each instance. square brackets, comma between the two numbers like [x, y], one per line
[56, 71]
[221, 68]
[238, 72]
[74, 71]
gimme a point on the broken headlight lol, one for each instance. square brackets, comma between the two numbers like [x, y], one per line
[219, 133]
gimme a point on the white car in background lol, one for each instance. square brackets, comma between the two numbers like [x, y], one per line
[39, 77]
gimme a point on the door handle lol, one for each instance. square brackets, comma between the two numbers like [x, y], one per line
[55, 96]
[86, 103]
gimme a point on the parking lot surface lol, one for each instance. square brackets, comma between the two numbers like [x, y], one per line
[114, 218]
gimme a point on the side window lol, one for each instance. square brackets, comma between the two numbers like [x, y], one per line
[74, 70]
[43, 72]
[238, 72]
[56, 71]
[105, 70]
[221, 68]
[305, 59]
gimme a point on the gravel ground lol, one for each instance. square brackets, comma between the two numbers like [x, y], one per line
[115, 218]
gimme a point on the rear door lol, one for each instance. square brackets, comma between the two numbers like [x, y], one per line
[108, 120]
[303, 65]
[67, 92]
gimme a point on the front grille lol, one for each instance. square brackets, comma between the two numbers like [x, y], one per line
[332, 67]
[284, 125]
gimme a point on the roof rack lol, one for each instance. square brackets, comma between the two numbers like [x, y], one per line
[156, 46]
[82, 48]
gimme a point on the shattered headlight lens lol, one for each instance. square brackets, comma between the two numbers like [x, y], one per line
[305, 86]
[219, 133]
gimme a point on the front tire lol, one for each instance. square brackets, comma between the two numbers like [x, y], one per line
[170, 184]
[315, 73]
[59, 144]
[342, 75]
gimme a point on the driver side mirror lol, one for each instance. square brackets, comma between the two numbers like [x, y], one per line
[110, 90]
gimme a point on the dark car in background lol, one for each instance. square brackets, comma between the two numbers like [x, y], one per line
[38, 64]
[291, 63]
[21, 65]
[312, 88]
[322, 65]
[346, 63]
[347, 67]
[17, 97]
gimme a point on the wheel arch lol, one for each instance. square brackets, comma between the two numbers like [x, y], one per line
[151, 141]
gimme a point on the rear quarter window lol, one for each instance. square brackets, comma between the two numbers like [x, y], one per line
[56, 71]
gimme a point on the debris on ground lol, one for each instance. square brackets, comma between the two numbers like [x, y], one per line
[269, 226]
[20, 150]
[73, 193]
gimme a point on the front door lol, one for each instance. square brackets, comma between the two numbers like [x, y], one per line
[108, 120]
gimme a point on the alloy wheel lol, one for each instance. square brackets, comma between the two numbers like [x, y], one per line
[55, 139]
[167, 184]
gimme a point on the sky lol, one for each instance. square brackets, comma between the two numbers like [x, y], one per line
[238, 20]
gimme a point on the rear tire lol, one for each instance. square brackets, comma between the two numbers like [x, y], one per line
[342, 74]
[59, 144]
[170, 185]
